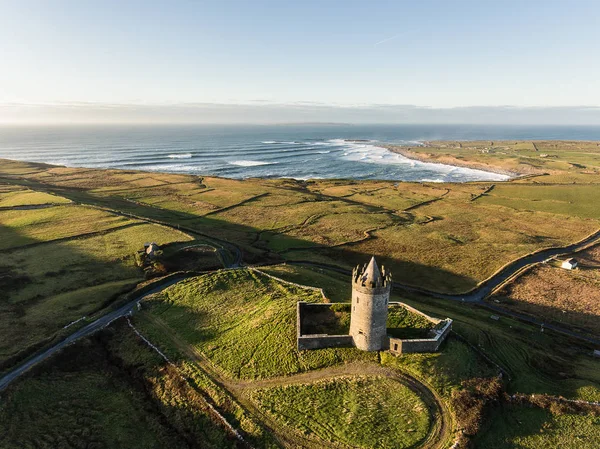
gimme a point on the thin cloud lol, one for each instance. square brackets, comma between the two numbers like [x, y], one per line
[388, 39]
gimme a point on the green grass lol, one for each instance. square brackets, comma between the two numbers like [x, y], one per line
[449, 245]
[10, 197]
[402, 323]
[534, 428]
[359, 411]
[571, 200]
[23, 227]
[62, 281]
[537, 362]
[58, 267]
[105, 392]
[23, 327]
[444, 370]
[335, 285]
[244, 323]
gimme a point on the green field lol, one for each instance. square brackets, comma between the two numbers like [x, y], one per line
[360, 411]
[27, 227]
[70, 236]
[11, 196]
[430, 235]
[243, 322]
[106, 392]
[64, 263]
[534, 428]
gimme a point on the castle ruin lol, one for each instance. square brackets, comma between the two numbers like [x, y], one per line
[370, 298]
[371, 289]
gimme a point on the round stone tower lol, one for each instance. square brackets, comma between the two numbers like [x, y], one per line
[370, 297]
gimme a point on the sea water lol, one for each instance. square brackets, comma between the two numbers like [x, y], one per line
[294, 151]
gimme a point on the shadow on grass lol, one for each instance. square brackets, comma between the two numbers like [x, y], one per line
[44, 286]
[108, 381]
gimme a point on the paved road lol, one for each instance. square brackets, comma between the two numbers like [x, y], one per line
[83, 332]
[477, 295]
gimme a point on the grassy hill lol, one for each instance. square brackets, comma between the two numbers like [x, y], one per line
[69, 239]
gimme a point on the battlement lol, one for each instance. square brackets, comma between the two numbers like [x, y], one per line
[369, 276]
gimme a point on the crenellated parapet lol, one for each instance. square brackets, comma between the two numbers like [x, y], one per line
[368, 278]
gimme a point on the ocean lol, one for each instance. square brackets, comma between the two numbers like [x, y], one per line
[291, 151]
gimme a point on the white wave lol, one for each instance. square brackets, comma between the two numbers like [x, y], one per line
[322, 144]
[432, 180]
[180, 156]
[280, 142]
[178, 168]
[250, 163]
[269, 142]
[324, 152]
[367, 153]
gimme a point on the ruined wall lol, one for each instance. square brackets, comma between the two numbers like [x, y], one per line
[318, 341]
[324, 341]
[401, 346]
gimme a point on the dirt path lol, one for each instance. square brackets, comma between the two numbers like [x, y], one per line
[240, 389]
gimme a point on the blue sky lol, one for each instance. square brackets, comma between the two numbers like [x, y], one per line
[439, 54]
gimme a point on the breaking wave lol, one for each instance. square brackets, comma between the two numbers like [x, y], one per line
[251, 163]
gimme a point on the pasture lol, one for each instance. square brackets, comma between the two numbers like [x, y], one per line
[358, 411]
[62, 263]
[243, 322]
[105, 392]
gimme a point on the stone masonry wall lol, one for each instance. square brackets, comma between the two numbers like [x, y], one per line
[400, 346]
[318, 341]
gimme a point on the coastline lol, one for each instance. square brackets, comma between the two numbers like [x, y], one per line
[451, 160]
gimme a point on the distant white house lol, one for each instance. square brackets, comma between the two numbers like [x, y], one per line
[569, 264]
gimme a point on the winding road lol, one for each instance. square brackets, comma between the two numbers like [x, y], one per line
[91, 328]
[476, 296]
[484, 289]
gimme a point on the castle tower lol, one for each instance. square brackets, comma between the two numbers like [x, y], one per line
[370, 297]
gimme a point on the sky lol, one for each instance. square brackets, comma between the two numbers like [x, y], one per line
[327, 60]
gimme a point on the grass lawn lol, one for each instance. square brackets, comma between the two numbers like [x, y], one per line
[23, 227]
[534, 428]
[245, 323]
[360, 411]
[107, 392]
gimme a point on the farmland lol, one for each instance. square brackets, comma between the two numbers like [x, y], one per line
[359, 411]
[70, 236]
[570, 298]
[61, 263]
[444, 237]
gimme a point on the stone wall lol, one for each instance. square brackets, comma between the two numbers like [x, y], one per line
[318, 341]
[400, 346]
[395, 345]
[369, 317]
[324, 341]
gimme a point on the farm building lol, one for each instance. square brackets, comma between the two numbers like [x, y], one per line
[569, 264]
[151, 249]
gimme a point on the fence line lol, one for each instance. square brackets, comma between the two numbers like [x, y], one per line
[210, 406]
